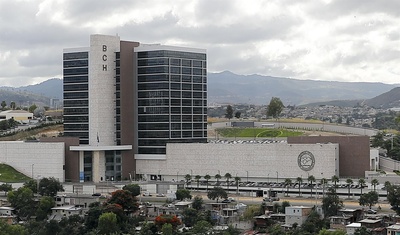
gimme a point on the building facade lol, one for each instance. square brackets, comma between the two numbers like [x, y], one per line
[125, 99]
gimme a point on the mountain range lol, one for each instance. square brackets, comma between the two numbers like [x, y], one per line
[229, 88]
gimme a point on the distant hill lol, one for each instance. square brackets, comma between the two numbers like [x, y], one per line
[39, 94]
[227, 87]
[386, 100]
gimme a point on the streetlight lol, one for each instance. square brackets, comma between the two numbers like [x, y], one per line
[177, 179]
[276, 177]
[247, 174]
[32, 170]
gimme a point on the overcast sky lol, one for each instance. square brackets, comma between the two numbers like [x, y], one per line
[343, 40]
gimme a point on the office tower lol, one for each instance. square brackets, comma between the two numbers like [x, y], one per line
[126, 100]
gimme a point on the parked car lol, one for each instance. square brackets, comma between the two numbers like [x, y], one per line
[147, 194]
[371, 211]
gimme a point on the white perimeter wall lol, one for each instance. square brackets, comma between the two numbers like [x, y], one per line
[260, 160]
[47, 158]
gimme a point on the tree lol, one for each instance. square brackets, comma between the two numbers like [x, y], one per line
[207, 178]
[167, 219]
[237, 180]
[368, 199]
[217, 177]
[197, 203]
[288, 183]
[182, 194]
[93, 214]
[387, 186]
[362, 231]
[5, 188]
[324, 182]
[50, 187]
[328, 232]
[311, 179]
[3, 104]
[108, 223]
[228, 176]
[12, 105]
[32, 108]
[237, 114]
[374, 183]
[275, 107]
[299, 180]
[190, 216]
[22, 200]
[229, 112]
[167, 229]
[44, 208]
[361, 183]
[201, 228]
[32, 185]
[349, 182]
[217, 193]
[133, 188]
[335, 180]
[394, 198]
[331, 203]
[125, 199]
[188, 178]
[283, 206]
[197, 178]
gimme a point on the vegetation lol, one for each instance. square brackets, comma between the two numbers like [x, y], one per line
[10, 175]
[256, 132]
[275, 107]
[369, 199]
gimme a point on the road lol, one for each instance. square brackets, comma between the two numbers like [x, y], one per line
[295, 201]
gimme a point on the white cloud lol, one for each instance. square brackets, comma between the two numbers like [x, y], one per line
[339, 40]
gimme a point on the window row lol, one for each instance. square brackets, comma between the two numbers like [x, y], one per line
[172, 102]
[75, 79]
[76, 87]
[176, 54]
[172, 86]
[75, 103]
[172, 94]
[76, 119]
[76, 55]
[75, 63]
[76, 71]
[76, 95]
[172, 78]
[76, 111]
[174, 118]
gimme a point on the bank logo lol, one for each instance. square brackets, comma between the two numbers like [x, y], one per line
[306, 161]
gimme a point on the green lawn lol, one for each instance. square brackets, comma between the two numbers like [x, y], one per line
[257, 132]
[10, 175]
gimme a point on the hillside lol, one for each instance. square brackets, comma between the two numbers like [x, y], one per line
[227, 87]
[386, 100]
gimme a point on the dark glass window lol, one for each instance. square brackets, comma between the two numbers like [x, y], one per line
[175, 118]
[175, 70]
[176, 62]
[197, 63]
[75, 79]
[153, 118]
[187, 63]
[175, 86]
[153, 94]
[186, 134]
[154, 126]
[153, 134]
[186, 110]
[186, 118]
[186, 78]
[75, 71]
[186, 70]
[76, 119]
[175, 102]
[197, 79]
[75, 55]
[76, 87]
[175, 78]
[151, 150]
[175, 94]
[151, 62]
[155, 69]
[175, 126]
[75, 63]
[176, 134]
[176, 110]
[153, 86]
[75, 103]
[153, 78]
[75, 111]
[186, 94]
[76, 95]
[187, 126]
[186, 86]
[186, 102]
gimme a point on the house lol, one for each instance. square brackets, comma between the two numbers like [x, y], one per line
[7, 215]
[296, 214]
[393, 229]
[351, 228]
[57, 213]
[78, 200]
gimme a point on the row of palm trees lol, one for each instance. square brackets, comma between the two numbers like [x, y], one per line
[288, 182]
[207, 177]
[335, 179]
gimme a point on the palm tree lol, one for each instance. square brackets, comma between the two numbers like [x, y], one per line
[288, 182]
[188, 177]
[335, 180]
[228, 176]
[374, 183]
[299, 180]
[197, 177]
[349, 182]
[387, 187]
[207, 178]
[217, 177]
[361, 182]
[323, 181]
[237, 179]
[311, 179]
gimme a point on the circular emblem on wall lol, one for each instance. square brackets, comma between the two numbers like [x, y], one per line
[306, 161]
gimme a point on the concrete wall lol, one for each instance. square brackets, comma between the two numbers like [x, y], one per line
[34, 158]
[354, 152]
[262, 161]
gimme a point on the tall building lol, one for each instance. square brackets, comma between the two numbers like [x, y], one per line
[126, 100]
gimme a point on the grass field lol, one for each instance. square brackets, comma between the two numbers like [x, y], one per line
[257, 132]
[9, 175]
